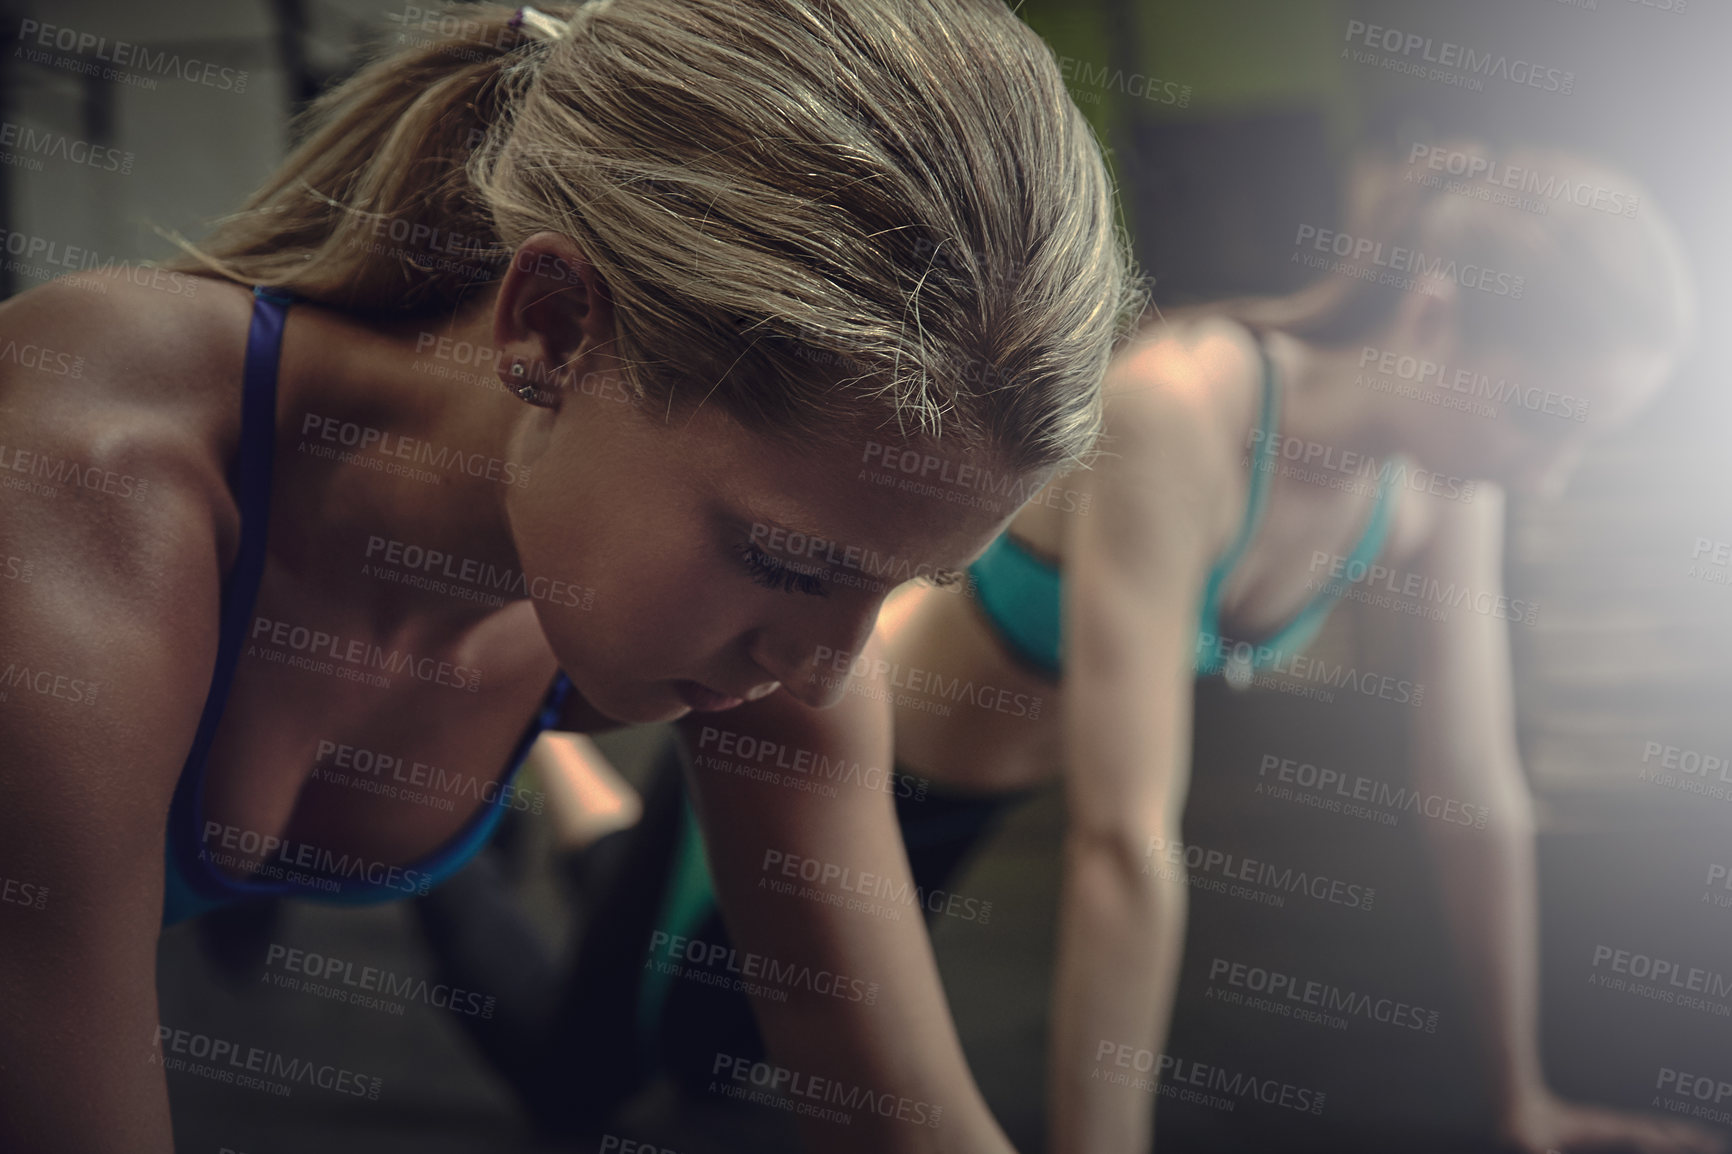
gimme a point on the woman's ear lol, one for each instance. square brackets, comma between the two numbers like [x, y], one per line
[553, 308]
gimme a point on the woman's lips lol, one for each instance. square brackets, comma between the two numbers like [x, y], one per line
[704, 699]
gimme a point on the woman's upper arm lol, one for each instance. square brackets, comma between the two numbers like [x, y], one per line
[1466, 722]
[108, 599]
[1134, 570]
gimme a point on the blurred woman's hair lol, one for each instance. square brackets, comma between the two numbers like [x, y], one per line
[1578, 256]
[820, 214]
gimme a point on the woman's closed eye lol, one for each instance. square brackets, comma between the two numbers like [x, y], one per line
[774, 573]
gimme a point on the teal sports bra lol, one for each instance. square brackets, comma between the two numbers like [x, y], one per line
[1022, 594]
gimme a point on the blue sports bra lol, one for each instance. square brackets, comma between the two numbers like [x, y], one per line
[192, 884]
[1022, 594]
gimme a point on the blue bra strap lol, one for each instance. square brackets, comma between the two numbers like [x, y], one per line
[250, 481]
[470, 840]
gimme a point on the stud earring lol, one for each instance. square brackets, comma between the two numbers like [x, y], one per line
[526, 389]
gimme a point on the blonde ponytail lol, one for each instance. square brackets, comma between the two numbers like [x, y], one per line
[821, 214]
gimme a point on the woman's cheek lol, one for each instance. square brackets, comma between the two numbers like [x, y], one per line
[676, 606]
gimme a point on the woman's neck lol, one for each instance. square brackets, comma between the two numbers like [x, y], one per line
[1325, 403]
[434, 439]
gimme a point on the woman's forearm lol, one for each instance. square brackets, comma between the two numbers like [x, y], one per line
[1490, 898]
[790, 869]
[1121, 939]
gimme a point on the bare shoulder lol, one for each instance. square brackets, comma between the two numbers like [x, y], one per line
[114, 427]
[1176, 403]
[112, 391]
[1182, 385]
[104, 339]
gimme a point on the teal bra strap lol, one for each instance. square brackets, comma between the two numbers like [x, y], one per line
[687, 901]
[1298, 632]
[1262, 469]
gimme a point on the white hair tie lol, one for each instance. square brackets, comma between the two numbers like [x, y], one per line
[540, 26]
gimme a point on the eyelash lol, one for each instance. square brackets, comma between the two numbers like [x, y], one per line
[773, 574]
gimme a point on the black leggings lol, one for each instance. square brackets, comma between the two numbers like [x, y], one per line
[566, 1037]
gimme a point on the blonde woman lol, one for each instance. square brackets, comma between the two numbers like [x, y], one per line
[278, 542]
[1200, 556]
[1243, 444]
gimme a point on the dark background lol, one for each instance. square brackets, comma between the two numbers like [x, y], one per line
[1628, 649]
